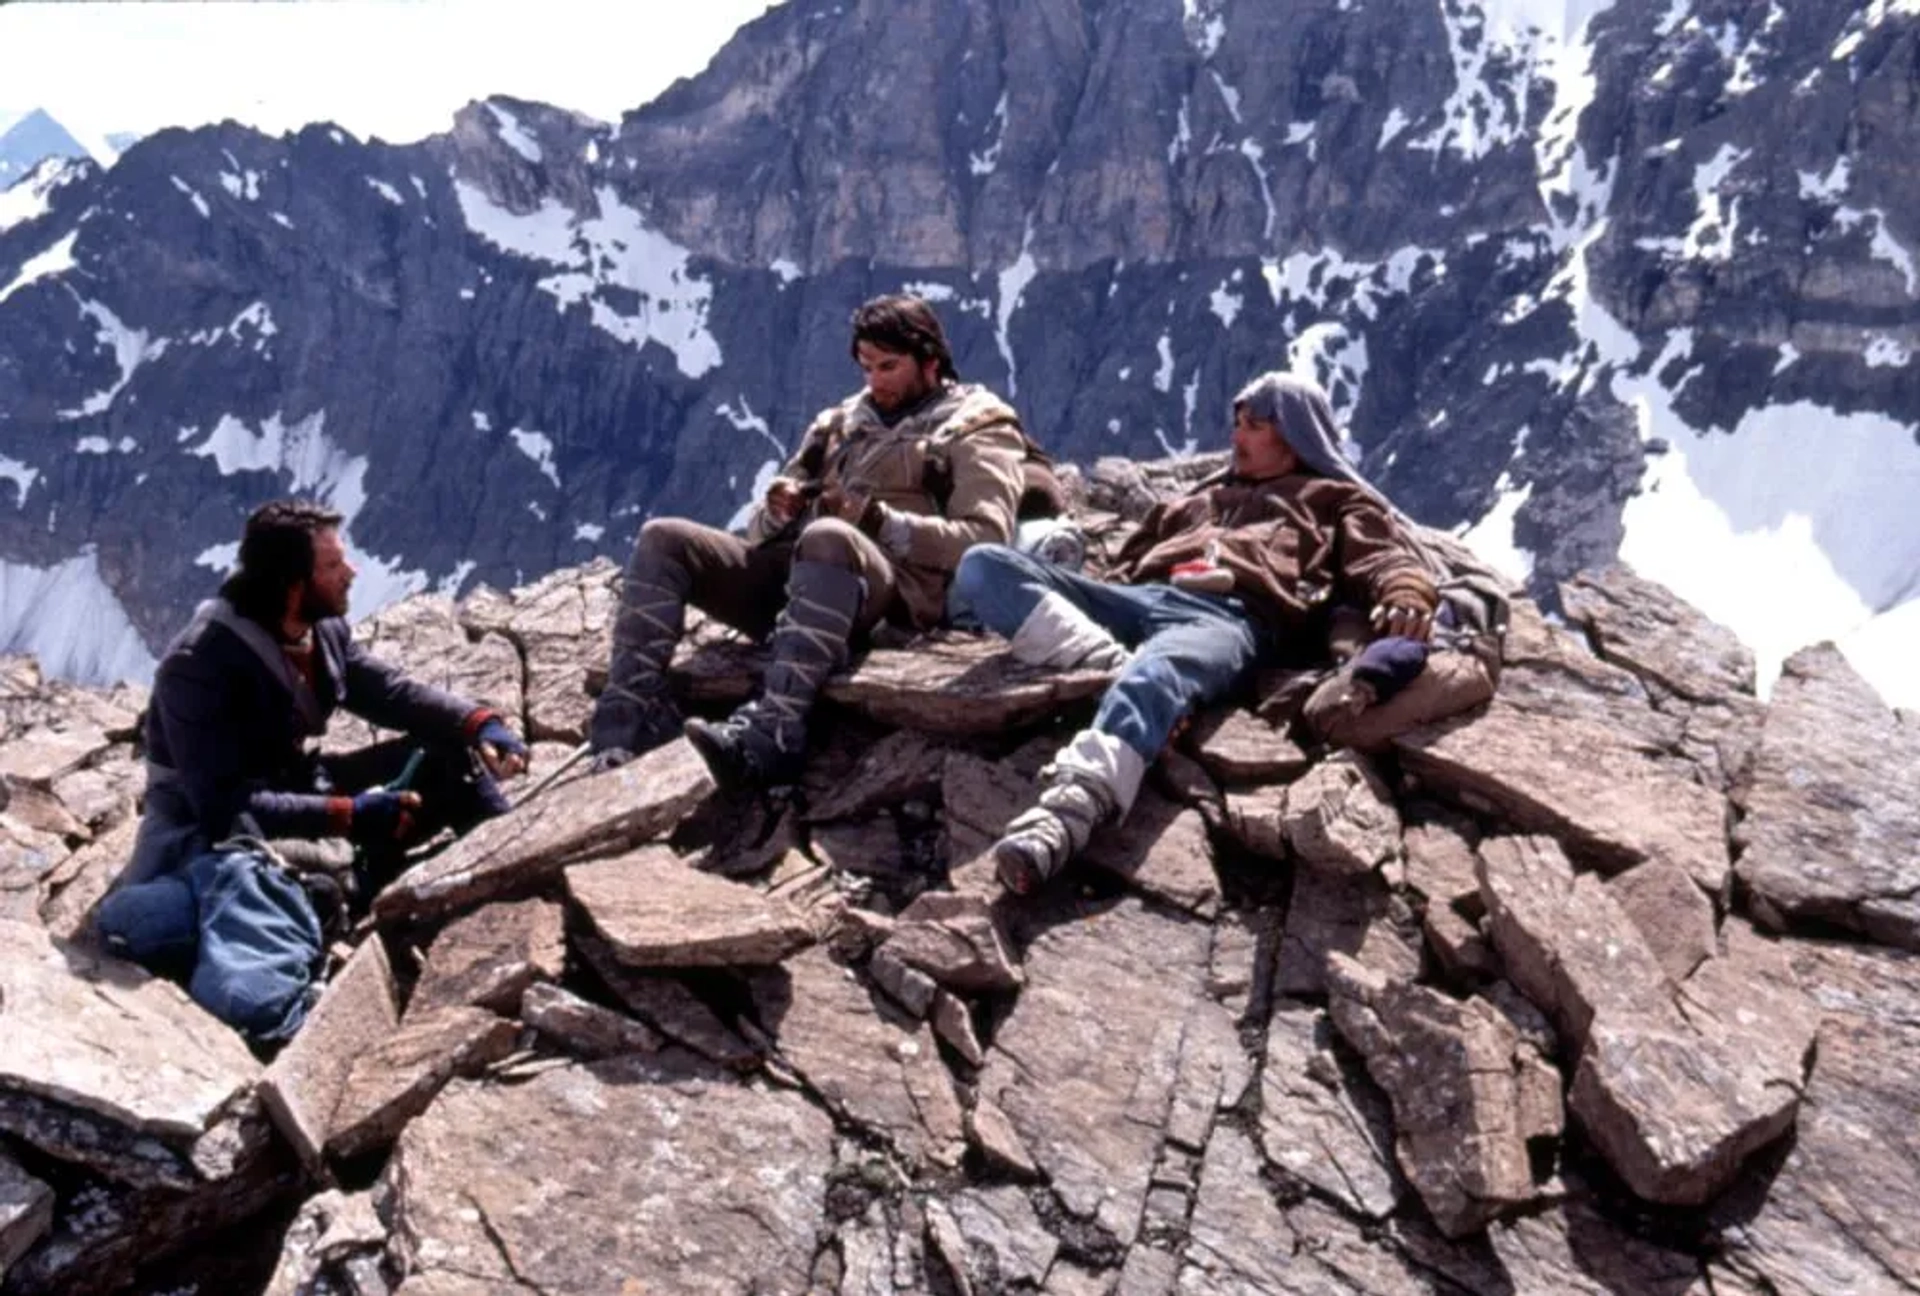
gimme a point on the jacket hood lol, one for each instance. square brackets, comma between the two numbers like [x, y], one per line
[1305, 417]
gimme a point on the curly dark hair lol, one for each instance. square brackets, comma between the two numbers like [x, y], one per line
[905, 325]
[276, 551]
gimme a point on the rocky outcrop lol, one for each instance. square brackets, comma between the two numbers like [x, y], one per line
[1475, 1015]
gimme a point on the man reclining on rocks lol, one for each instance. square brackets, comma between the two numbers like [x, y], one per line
[868, 521]
[238, 701]
[1266, 563]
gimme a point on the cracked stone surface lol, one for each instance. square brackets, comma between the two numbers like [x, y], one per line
[1341, 817]
[1832, 827]
[1322, 1120]
[590, 816]
[864, 1057]
[700, 1182]
[26, 1211]
[655, 912]
[490, 957]
[357, 1013]
[1346, 913]
[1089, 1093]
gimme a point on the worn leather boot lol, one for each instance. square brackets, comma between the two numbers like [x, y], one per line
[763, 744]
[1093, 781]
[635, 712]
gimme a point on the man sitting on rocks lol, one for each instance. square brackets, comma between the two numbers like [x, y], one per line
[1265, 563]
[868, 521]
[239, 700]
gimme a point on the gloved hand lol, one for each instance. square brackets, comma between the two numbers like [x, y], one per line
[1388, 665]
[501, 750]
[379, 815]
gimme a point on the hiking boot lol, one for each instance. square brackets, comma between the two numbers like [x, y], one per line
[1040, 842]
[744, 756]
[635, 712]
[763, 744]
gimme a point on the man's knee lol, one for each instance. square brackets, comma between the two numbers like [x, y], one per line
[983, 567]
[665, 537]
[829, 540]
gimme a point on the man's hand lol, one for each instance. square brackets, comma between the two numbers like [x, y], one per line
[380, 815]
[501, 750]
[783, 501]
[1405, 620]
[847, 505]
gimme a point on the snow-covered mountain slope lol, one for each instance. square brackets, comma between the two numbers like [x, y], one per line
[1587, 279]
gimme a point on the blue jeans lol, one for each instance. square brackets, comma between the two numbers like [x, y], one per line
[1188, 649]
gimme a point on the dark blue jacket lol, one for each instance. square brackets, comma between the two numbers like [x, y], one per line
[229, 725]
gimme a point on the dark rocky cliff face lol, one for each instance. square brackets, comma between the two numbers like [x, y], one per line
[499, 348]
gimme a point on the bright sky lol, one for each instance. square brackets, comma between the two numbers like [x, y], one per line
[394, 68]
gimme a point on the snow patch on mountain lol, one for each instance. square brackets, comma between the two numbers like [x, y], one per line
[31, 197]
[513, 134]
[537, 446]
[68, 617]
[613, 249]
[1013, 285]
[57, 259]
[21, 475]
[1492, 538]
[131, 348]
[193, 196]
[385, 190]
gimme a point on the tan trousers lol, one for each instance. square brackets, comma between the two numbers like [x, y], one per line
[745, 585]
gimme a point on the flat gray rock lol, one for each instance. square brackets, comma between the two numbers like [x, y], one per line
[655, 912]
[72, 890]
[1347, 913]
[877, 1067]
[1090, 1092]
[1005, 1241]
[1341, 817]
[1467, 1094]
[959, 685]
[488, 958]
[585, 1029]
[1161, 850]
[577, 819]
[1843, 1213]
[104, 1036]
[1674, 916]
[1322, 1120]
[1579, 781]
[561, 626]
[1832, 828]
[698, 1183]
[357, 1013]
[1237, 746]
[663, 1002]
[394, 1082]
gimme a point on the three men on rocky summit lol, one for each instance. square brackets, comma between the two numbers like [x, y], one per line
[914, 502]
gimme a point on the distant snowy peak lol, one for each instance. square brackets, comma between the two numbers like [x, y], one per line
[31, 196]
[37, 137]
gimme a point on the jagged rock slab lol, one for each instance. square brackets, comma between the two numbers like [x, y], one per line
[870, 1062]
[656, 1175]
[1213, 1075]
[26, 1211]
[1843, 1212]
[1006, 1242]
[1832, 827]
[358, 1012]
[1242, 1241]
[598, 814]
[957, 940]
[102, 794]
[81, 1138]
[664, 1003]
[1673, 914]
[902, 765]
[561, 626]
[1440, 867]
[330, 1228]
[106, 1037]
[104, 1232]
[1566, 942]
[1676, 1087]
[489, 958]
[870, 847]
[1257, 820]
[1161, 850]
[1467, 1095]
[1648, 629]
[655, 912]
[28, 856]
[41, 755]
[1089, 1093]
[1580, 782]
[585, 1029]
[1568, 1247]
[1322, 1121]
[38, 808]
[959, 685]
[1237, 746]
[395, 1081]
[991, 1132]
[1346, 913]
[1548, 672]
[73, 889]
[980, 798]
[423, 636]
[1341, 817]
